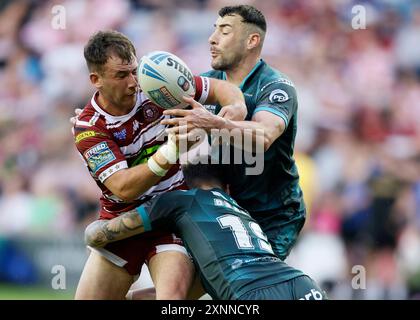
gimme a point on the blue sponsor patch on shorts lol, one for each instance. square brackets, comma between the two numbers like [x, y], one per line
[98, 156]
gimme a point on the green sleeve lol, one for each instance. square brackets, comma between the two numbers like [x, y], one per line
[155, 214]
[278, 97]
[163, 210]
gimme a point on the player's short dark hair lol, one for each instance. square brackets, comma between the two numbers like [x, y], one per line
[103, 44]
[248, 13]
[195, 174]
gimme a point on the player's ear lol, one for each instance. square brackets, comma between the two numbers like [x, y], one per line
[254, 40]
[95, 79]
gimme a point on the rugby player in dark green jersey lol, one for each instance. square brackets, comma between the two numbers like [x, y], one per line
[272, 196]
[231, 252]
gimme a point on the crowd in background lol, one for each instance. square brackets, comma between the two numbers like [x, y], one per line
[358, 143]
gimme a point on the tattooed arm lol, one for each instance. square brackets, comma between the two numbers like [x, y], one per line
[101, 232]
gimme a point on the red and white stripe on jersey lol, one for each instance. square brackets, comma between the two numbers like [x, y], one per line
[110, 143]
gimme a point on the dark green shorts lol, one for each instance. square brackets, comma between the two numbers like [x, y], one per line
[300, 288]
[282, 228]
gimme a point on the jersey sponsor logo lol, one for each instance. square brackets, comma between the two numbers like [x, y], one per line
[285, 81]
[313, 295]
[120, 135]
[98, 156]
[95, 149]
[237, 263]
[88, 134]
[278, 96]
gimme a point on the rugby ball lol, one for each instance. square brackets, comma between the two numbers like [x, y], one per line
[165, 79]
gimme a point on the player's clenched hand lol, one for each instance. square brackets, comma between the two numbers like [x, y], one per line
[197, 117]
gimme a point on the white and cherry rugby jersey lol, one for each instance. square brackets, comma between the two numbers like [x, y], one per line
[109, 143]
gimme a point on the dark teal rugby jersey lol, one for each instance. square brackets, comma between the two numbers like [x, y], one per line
[229, 248]
[266, 89]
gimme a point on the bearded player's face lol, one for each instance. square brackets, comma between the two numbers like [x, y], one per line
[228, 42]
[119, 83]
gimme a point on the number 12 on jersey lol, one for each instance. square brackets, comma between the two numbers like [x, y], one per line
[240, 233]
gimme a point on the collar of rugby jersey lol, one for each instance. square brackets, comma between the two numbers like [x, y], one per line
[258, 65]
[122, 118]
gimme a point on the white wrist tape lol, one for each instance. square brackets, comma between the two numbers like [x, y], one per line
[170, 151]
[155, 168]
